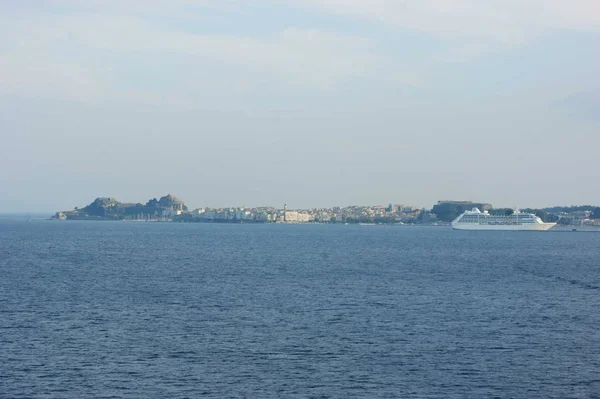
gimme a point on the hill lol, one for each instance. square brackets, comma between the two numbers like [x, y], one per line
[108, 208]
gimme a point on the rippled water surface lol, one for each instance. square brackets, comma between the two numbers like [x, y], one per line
[129, 310]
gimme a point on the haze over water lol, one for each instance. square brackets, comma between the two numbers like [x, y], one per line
[114, 309]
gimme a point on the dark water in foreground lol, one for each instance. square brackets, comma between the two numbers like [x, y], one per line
[93, 309]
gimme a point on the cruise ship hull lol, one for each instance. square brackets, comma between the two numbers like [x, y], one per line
[523, 227]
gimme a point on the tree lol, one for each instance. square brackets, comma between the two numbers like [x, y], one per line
[542, 214]
[502, 211]
[447, 211]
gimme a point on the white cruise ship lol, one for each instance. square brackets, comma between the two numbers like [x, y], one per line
[477, 220]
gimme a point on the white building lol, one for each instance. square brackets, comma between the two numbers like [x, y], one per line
[291, 216]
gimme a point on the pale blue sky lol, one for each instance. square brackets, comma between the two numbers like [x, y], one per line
[313, 103]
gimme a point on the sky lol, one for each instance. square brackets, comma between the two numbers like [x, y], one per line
[313, 103]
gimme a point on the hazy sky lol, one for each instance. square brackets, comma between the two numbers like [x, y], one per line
[309, 102]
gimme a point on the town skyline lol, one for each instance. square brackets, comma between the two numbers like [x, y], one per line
[47, 208]
[49, 211]
[169, 208]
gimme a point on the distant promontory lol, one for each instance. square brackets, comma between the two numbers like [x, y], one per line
[105, 208]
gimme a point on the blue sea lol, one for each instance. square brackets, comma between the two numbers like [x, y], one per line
[166, 310]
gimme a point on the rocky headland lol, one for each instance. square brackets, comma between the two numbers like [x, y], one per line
[106, 208]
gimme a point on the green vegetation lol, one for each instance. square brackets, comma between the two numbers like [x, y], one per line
[542, 214]
[502, 211]
[570, 209]
[105, 208]
[101, 207]
[447, 211]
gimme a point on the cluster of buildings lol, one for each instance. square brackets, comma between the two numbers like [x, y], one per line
[170, 208]
[578, 218]
[442, 213]
[351, 214]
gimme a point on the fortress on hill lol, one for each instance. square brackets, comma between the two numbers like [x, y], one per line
[106, 208]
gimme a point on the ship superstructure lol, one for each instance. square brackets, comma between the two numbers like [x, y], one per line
[477, 220]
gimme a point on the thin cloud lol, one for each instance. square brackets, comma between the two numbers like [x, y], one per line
[84, 54]
[505, 20]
